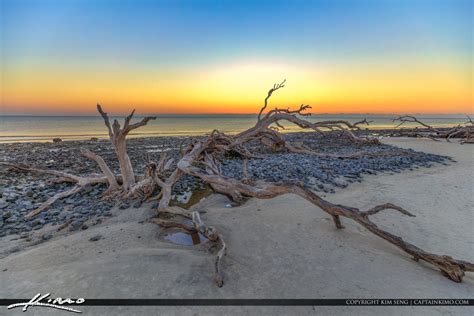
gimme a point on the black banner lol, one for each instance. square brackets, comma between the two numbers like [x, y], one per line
[261, 302]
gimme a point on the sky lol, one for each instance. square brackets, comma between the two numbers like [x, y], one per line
[340, 56]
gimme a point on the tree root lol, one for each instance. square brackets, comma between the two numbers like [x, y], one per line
[208, 231]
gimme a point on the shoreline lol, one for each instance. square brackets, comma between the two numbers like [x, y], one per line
[377, 132]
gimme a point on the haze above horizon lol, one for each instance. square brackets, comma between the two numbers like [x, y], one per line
[189, 57]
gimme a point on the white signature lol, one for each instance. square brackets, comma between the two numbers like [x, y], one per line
[53, 303]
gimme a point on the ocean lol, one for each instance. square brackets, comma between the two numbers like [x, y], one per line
[44, 128]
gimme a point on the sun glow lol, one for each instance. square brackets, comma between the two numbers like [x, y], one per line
[62, 57]
[240, 87]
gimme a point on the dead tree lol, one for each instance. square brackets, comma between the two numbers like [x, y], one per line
[201, 159]
[118, 135]
[464, 132]
[123, 185]
[203, 153]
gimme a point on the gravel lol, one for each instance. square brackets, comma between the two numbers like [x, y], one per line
[21, 192]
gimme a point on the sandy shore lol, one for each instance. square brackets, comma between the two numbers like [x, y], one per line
[279, 248]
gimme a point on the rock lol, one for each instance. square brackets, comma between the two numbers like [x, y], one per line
[14, 249]
[3, 205]
[7, 215]
[95, 238]
[75, 225]
[84, 227]
[87, 189]
[137, 204]
[124, 206]
[12, 197]
[340, 183]
[11, 219]
[38, 222]
[29, 193]
[46, 237]
[71, 201]
[26, 204]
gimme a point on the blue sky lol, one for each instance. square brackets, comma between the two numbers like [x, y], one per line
[177, 35]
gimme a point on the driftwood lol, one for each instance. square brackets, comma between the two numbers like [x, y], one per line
[201, 159]
[80, 183]
[118, 135]
[126, 184]
[453, 268]
[464, 132]
[205, 154]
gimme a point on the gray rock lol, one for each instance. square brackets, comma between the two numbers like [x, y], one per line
[95, 238]
[75, 225]
[124, 206]
[46, 237]
[137, 204]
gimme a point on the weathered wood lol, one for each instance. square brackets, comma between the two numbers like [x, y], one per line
[113, 184]
[53, 199]
[465, 132]
[453, 268]
[117, 136]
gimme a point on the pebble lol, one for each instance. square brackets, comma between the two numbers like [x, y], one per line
[75, 225]
[25, 192]
[47, 237]
[95, 238]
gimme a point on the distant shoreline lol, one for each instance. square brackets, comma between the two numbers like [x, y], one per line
[45, 128]
[384, 132]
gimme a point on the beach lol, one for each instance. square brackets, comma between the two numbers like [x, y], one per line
[44, 128]
[277, 248]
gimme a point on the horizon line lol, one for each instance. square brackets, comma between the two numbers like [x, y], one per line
[241, 114]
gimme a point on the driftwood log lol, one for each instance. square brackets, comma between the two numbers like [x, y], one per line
[202, 159]
[464, 132]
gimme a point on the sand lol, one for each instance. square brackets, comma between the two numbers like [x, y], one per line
[279, 248]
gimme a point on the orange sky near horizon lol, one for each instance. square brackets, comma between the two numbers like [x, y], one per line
[174, 57]
[239, 87]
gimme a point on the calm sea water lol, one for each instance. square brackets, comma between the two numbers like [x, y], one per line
[44, 128]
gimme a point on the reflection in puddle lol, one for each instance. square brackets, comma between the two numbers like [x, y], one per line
[190, 198]
[185, 239]
[186, 201]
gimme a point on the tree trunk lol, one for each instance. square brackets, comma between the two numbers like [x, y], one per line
[125, 164]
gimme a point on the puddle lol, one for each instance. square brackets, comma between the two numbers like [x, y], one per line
[191, 198]
[185, 239]
[186, 201]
